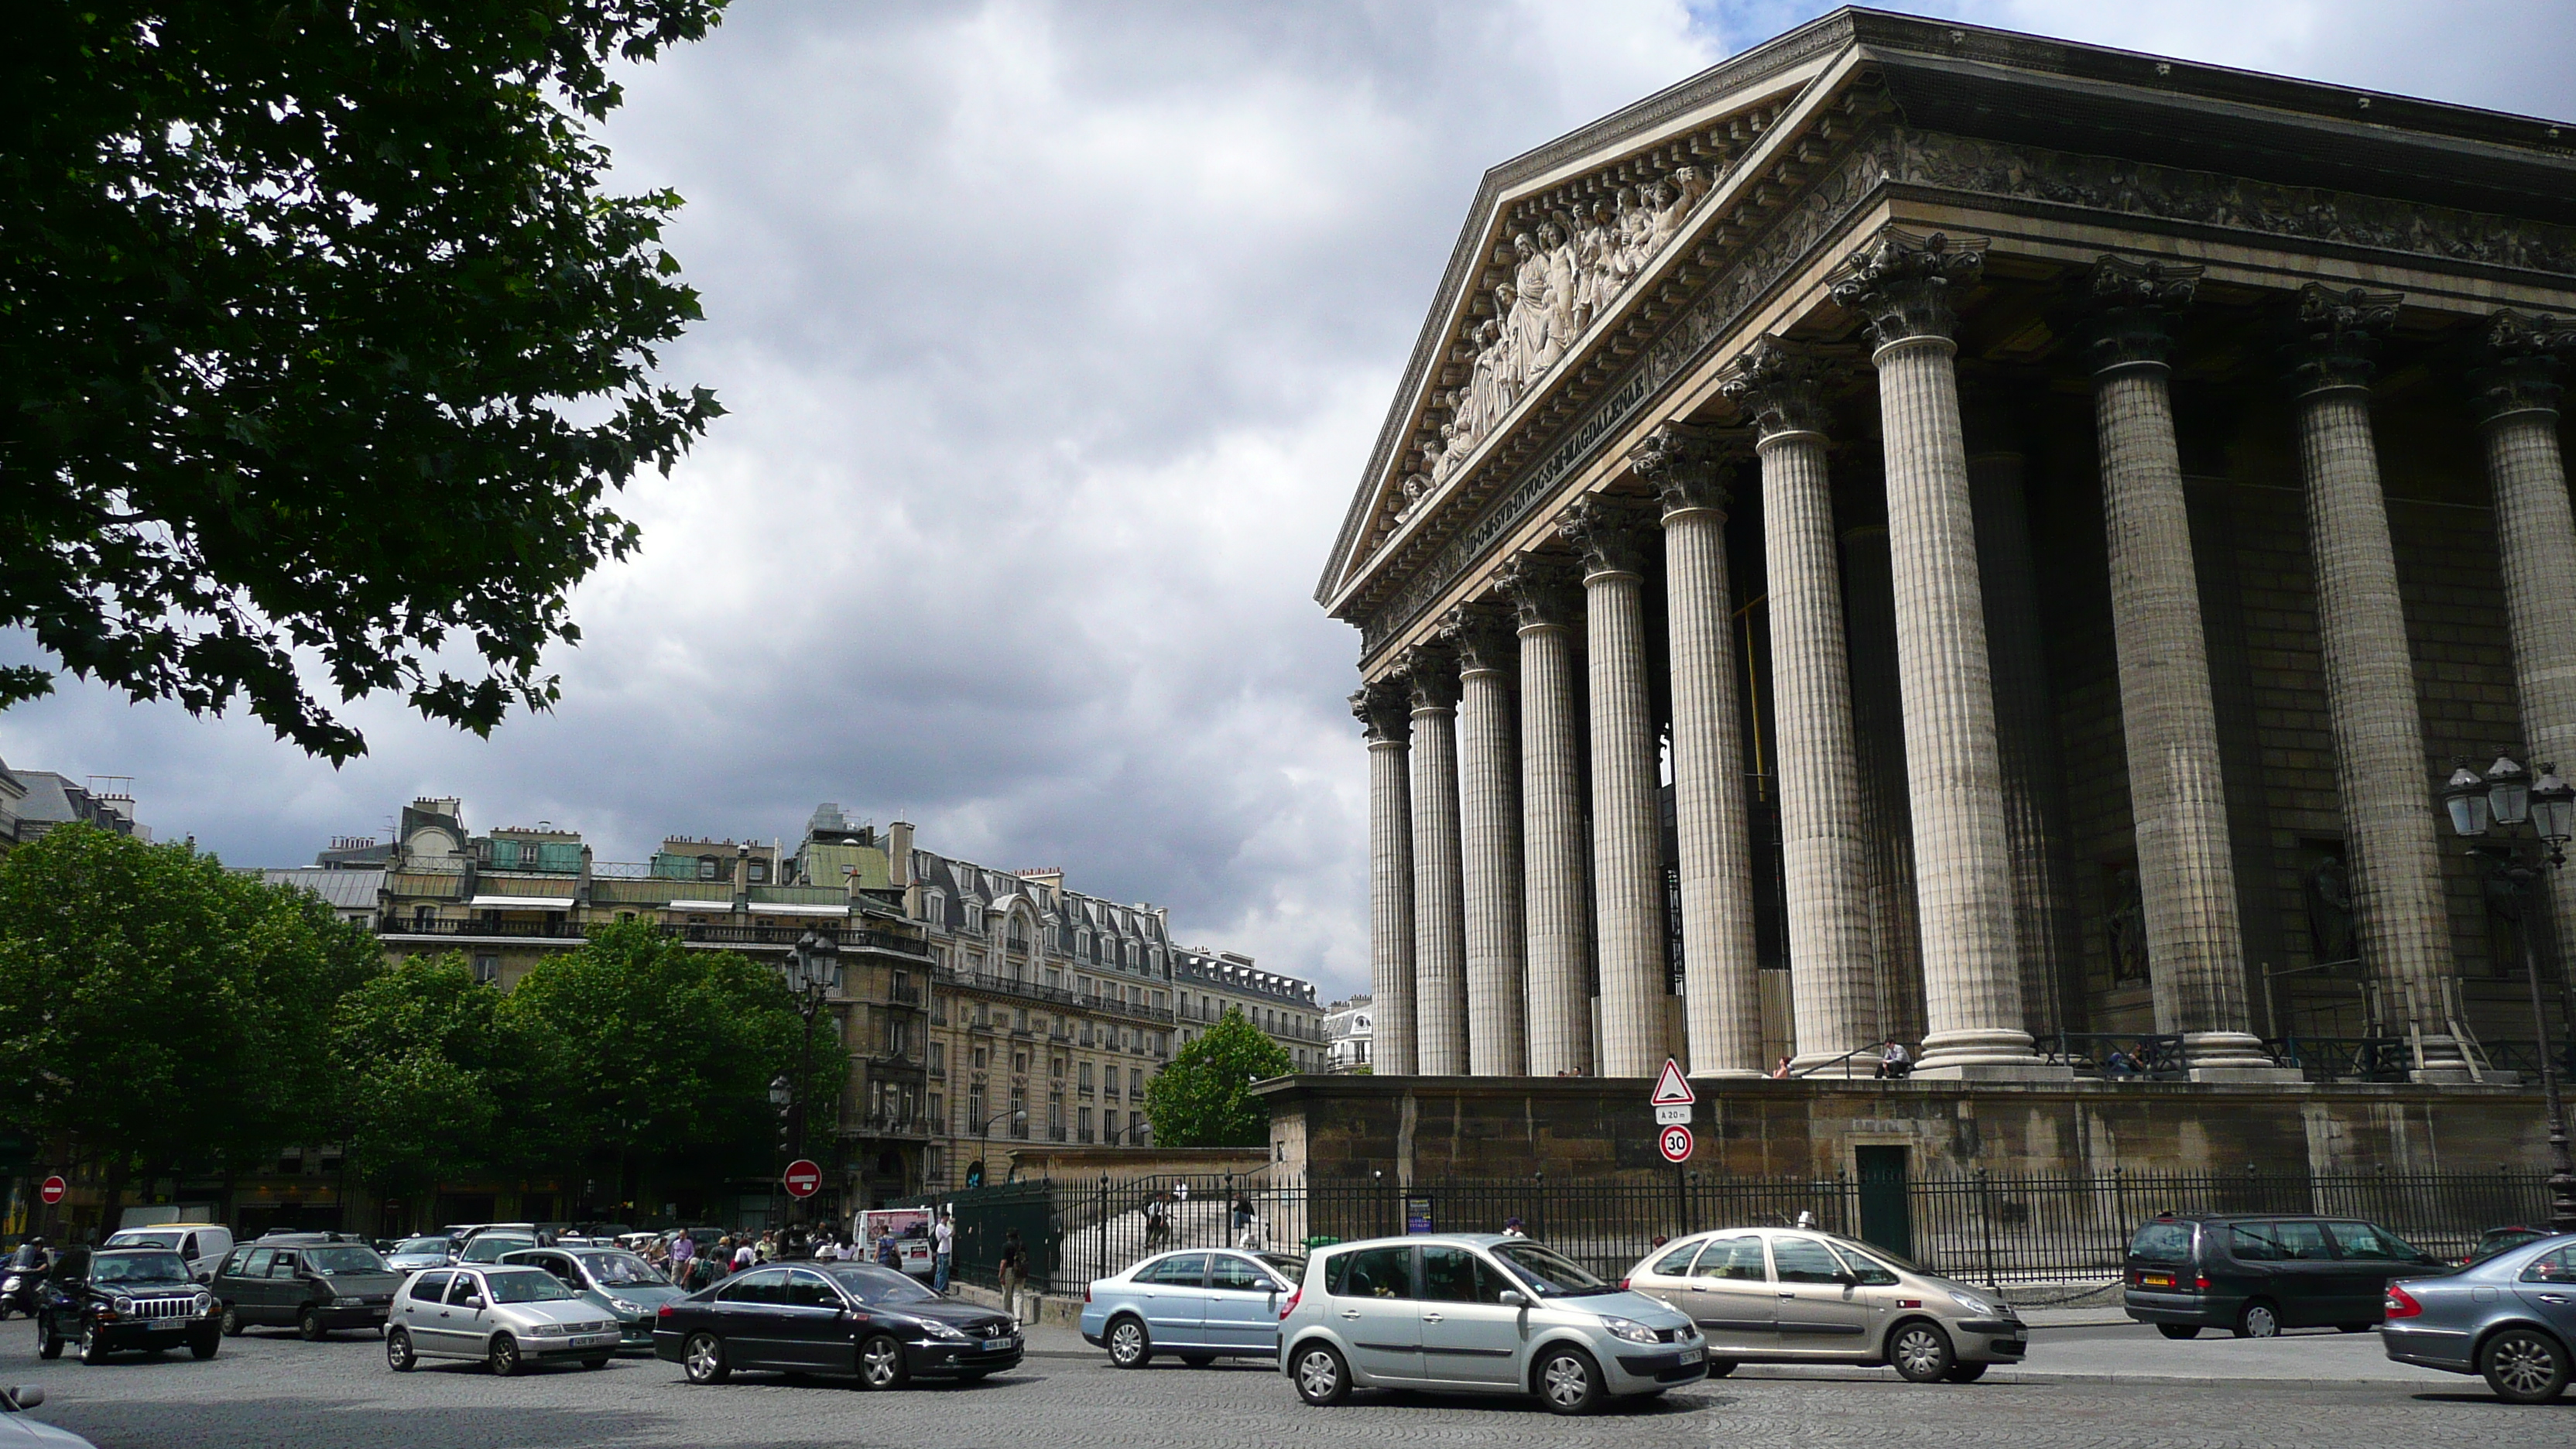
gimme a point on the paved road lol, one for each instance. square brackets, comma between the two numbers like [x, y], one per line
[272, 1392]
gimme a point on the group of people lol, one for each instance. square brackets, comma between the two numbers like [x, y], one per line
[693, 1265]
[1159, 1210]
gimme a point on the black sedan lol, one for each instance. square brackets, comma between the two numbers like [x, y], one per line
[833, 1318]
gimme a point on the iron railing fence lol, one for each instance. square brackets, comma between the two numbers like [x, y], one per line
[1984, 1227]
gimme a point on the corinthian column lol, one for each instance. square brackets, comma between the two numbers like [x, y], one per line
[1626, 826]
[2177, 803]
[1439, 903]
[1490, 833]
[1878, 749]
[1903, 286]
[2380, 770]
[2518, 405]
[1833, 989]
[1381, 707]
[1545, 597]
[1687, 467]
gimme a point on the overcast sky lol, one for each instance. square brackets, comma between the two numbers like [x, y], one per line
[1054, 339]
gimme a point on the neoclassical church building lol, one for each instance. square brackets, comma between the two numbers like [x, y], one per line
[1929, 533]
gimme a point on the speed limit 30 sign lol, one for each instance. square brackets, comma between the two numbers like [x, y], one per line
[1675, 1143]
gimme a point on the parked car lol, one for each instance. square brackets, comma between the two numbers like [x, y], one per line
[202, 1244]
[2497, 1240]
[2259, 1273]
[881, 1326]
[410, 1255]
[1198, 1305]
[309, 1281]
[2511, 1318]
[111, 1300]
[492, 1245]
[1781, 1295]
[507, 1317]
[1480, 1314]
[20, 1432]
[614, 1279]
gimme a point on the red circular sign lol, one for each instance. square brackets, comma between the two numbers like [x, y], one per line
[53, 1190]
[1676, 1144]
[804, 1179]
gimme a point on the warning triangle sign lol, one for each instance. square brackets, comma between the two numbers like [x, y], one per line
[1671, 1088]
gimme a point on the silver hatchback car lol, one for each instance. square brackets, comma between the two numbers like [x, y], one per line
[1478, 1313]
[1787, 1295]
[507, 1317]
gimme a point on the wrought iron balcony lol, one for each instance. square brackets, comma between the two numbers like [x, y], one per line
[1056, 995]
[571, 933]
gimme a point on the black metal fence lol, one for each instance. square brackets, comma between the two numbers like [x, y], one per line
[1985, 1227]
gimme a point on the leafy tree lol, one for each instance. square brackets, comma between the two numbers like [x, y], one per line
[664, 1055]
[319, 338]
[161, 1012]
[1203, 1099]
[437, 1078]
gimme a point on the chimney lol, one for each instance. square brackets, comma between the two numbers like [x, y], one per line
[741, 877]
[899, 854]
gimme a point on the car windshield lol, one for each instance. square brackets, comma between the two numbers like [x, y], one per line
[878, 1285]
[145, 1240]
[530, 1285]
[1873, 1250]
[344, 1258]
[2503, 1242]
[622, 1270]
[138, 1268]
[422, 1245]
[1290, 1266]
[1548, 1272]
[489, 1247]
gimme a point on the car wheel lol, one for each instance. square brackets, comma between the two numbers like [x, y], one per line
[49, 1344]
[1568, 1381]
[233, 1324]
[702, 1358]
[92, 1349]
[503, 1355]
[1719, 1368]
[2524, 1366]
[398, 1354]
[1964, 1373]
[1198, 1360]
[1128, 1346]
[881, 1363]
[1920, 1351]
[204, 1345]
[2258, 1319]
[2179, 1330]
[308, 1326]
[1322, 1378]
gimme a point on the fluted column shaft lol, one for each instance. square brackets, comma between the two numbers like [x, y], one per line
[1878, 751]
[1390, 887]
[1627, 828]
[1553, 855]
[1721, 990]
[1490, 835]
[2186, 869]
[1439, 900]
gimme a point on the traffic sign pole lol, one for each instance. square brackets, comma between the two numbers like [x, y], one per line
[803, 1178]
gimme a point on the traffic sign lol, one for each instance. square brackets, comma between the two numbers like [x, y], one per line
[53, 1189]
[1673, 1087]
[804, 1179]
[1676, 1144]
[1673, 1114]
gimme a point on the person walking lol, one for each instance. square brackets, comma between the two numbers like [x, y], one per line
[684, 1250]
[1247, 1224]
[1158, 1220]
[943, 1251]
[1015, 1274]
[744, 1256]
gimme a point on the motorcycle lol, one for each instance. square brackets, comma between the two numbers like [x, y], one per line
[18, 1290]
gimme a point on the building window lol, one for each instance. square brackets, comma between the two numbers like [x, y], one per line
[1135, 1083]
[760, 872]
[1055, 1068]
[706, 867]
[979, 1059]
[1082, 1123]
[939, 1059]
[1084, 1078]
[487, 969]
[1019, 1063]
[939, 1111]
[421, 916]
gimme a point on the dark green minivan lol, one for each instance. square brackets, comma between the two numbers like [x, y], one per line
[313, 1282]
[2259, 1273]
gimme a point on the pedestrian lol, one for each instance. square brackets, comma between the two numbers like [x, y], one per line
[1181, 1190]
[744, 1256]
[1015, 1274]
[889, 1252]
[1895, 1063]
[1242, 1211]
[1780, 1071]
[943, 1250]
[1512, 1228]
[1158, 1224]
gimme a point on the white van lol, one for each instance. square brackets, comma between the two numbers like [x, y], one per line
[202, 1244]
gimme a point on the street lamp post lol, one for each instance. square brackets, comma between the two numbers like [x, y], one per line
[2506, 800]
[984, 1136]
[813, 969]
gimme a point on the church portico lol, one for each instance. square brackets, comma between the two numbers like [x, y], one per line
[2255, 515]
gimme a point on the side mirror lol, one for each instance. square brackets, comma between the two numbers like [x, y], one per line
[1847, 1278]
[206, 1277]
[1511, 1298]
[28, 1397]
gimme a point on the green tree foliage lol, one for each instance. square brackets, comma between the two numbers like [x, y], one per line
[1203, 1099]
[437, 1080]
[319, 337]
[160, 1011]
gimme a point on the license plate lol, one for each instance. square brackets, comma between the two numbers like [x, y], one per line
[2155, 1280]
[596, 1340]
[1693, 1355]
[996, 1345]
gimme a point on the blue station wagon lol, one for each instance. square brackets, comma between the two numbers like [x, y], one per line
[1197, 1305]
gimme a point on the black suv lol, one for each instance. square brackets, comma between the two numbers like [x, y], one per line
[117, 1299]
[2259, 1273]
[314, 1281]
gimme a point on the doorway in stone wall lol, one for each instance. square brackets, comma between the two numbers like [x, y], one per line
[1885, 1218]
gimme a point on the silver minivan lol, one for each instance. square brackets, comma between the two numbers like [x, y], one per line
[1478, 1313]
[1786, 1295]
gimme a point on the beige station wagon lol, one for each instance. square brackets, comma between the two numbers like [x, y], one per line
[1787, 1295]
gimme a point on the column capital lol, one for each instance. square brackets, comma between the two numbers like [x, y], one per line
[2525, 355]
[1905, 286]
[1381, 708]
[1483, 637]
[1430, 673]
[1609, 530]
[2334, 332]
[1688, 467]
[1778, 385]
[2129, 305]
[1542, 588]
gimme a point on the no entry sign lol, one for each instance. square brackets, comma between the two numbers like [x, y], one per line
[804, 1179]
[53, 1189]
[1676, 1144]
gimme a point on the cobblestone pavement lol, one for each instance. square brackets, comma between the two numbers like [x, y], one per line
[269, 1391]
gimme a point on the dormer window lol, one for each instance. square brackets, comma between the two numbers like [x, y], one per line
[706, 867]
[760, 872]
